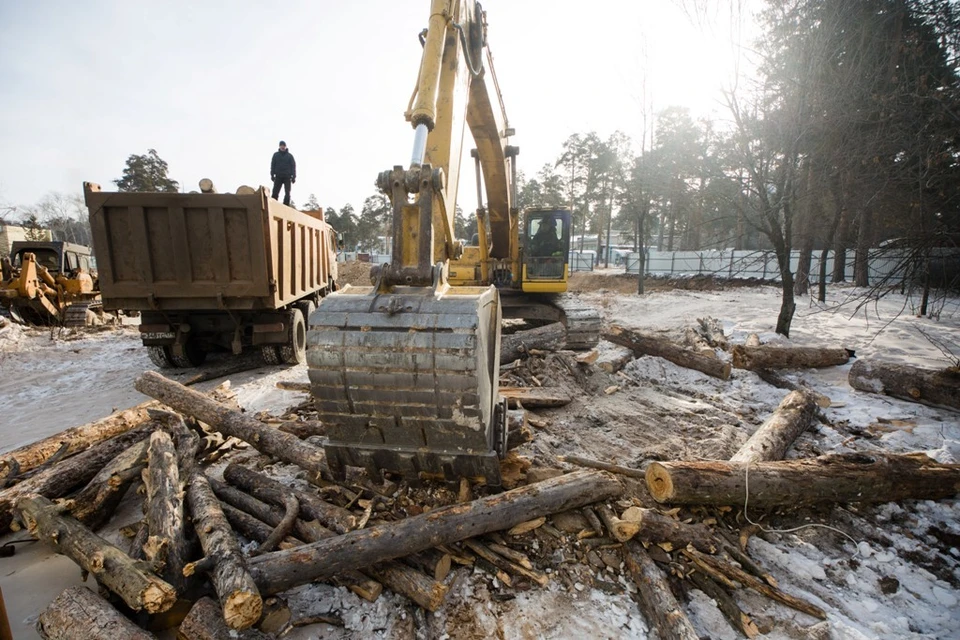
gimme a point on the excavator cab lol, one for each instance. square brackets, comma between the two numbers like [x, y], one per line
[546, 250]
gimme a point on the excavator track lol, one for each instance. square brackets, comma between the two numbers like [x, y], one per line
[406, 381]
[582, 322]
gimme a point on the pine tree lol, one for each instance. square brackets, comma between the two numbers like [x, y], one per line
[146, 173]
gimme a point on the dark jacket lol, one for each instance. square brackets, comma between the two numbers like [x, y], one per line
[283, 165]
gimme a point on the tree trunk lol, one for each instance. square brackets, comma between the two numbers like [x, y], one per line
[780, 431]
[937, 388]
[773, 357]
[94, 504]
[58, 481]
[80, 614]
[163, 508]
[425, 591]
[283, 570]
[75, 440]
[551, 337]
[278, 444]
[837, 478]
[112, 568]
[656, 528]
[269, 490]
[205, 622]
[840, 246]
[235, 586]
[861, 261]
[647, 345]
[822, 284]
[656, 601]
[801, 285]
[788, 305]
[641, 276]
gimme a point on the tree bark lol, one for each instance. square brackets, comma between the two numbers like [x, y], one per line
[435, 563]
[76, 439]
[780, 431]
[205, 622]
[234, 585]
[656, 601]
[536, 397]
[838, 478]
[551, 337]
[94, 504]
[938, 388]
[58, 481]
[282, 570]
[112, 568]
[163, 508]
[425, 591]
[285, 446]
[771, 357]
[80, 614]
[269, 490]
[646, 345]
[725, 602]
[656, 528]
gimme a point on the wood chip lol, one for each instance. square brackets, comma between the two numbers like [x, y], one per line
[524, 527]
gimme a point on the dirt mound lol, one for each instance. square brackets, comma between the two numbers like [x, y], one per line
[354, 272]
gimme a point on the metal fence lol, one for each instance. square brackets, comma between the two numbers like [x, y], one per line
[882, 263]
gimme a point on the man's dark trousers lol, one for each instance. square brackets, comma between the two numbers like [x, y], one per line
[283, 181]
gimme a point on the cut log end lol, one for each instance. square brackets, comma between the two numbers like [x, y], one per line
[659, 482]
[242, 609]
[158, 597]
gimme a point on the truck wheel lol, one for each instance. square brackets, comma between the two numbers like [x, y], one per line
[270, 354]
[295, 351]
[160, 356]
[193, 356]
[307, 308]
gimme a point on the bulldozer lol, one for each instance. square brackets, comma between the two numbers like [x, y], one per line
[48, 283]
[404, 373]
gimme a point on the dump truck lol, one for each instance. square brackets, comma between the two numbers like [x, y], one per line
[48, 283]
[212, 272]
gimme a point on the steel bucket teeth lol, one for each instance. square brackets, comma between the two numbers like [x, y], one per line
[406, 381]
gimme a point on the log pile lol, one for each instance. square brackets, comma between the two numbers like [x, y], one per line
[220, 544]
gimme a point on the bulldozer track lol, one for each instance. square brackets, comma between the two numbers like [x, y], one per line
[75, 315]
[582, 322]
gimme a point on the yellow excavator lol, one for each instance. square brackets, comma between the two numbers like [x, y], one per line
[404, 374]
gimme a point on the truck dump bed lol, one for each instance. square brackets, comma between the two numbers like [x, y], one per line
[174, 251]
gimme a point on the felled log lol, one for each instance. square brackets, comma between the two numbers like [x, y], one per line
[94, 504]
[434, 562]
[535, 397]
[112, 568]
[621, 530]
[505, 564]
[648, 345]
[712, 331]
[205, 622]
[774, 357]
[285, 446]
[715, 564]
[773, 378]
[425, 591]
[234, 585]
[254, 519]
[656, 528]
[604, 466]
[77, 470]
[656, 601]
[551, 337]
[613, 360]
[80, 614]
[282, 570]
[75, 440]
[778, 433]
[858, 477]
[271, 491]
[726, 603]
[938, 388]
[163, 509]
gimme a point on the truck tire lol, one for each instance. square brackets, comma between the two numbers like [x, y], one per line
[270, 354]
[295, 351]
[307, 308]
[160, 356]
[193, 356]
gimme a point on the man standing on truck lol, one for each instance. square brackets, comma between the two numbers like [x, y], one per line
[283, 172]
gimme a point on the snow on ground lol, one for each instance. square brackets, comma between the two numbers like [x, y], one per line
[899, 576]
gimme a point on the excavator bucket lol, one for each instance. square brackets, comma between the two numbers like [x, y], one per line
[406, 381]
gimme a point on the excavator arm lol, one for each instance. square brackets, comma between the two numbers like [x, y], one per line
[405, 373]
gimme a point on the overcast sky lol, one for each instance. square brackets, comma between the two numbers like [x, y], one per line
[214, 86]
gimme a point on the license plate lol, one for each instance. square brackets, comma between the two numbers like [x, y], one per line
[168, 335]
